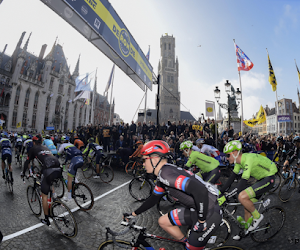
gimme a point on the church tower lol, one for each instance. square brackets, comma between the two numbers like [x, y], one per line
[168, 70]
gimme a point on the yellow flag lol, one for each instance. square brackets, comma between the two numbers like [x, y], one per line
[298, 72]
[251, 123]
[240, 133]
[19, 124]
[272, 78]
[97, 141]
[261, 115]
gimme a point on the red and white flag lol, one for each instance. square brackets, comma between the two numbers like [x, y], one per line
[243, 61]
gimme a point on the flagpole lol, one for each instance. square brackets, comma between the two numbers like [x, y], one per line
[277, 123]
[93, 101]
[112, 84]
[145, 112]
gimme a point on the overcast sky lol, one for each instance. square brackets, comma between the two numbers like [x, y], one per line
[213, 24]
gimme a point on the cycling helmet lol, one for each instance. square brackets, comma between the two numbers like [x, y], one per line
[29, 136]
[186, 145]
[47, 136]
[37, 138]
[63, 138]
[200, 141]
[296, 139]
[279, 139]
[158, 147]
[232, 146]
[91, 139]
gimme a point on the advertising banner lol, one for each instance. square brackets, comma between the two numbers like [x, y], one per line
[100, 24]
[284, 118]
[209, 109]
[49, 128]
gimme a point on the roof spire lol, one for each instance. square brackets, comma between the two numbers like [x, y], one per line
[76, 70]
[26, 44]
[50, 56]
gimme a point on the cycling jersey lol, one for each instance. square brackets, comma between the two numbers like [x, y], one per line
[19, 142]
[93, 146]
[78, 143]
[28, 144]
[281, 153]
[294, 154]
[255, 165]
[188, 188]
[49, 143]
[5, 149]
[69, 149]
[202, 161]
[210, 150]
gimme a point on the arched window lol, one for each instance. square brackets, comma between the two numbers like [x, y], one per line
[24, 119]
[69, 90]
[85, 116]
[7, 81]
[17, 95]
[48, 103]
[57, 105]
[36, 100]
[80, 114]
[33, 119]
[6, 100]
[27, 98]
[46, 120]
[67, 110]
[14, 118]
[90, 116]
[74, 116]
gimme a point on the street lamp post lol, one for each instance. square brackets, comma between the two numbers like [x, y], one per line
[231, 96]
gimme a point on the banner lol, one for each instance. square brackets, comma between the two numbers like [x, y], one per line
[243, 61]
[284, 118]
[272, 78]
[83, 82]
[209, 109]
[251, 123]
[84, 94]
[19, 124]
[261, 115]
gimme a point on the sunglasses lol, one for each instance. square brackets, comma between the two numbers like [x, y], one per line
[144, 159]
[227, 155]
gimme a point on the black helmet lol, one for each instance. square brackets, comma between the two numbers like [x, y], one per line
[279, 139]
[296, 139]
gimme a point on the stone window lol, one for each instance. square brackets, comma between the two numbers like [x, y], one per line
[46, 121]
[172, 79]
[6, 100]
[80, 114]
[14, 118]
[165, 46]
[168, 78]
[27, 98]
[48, 103]
[85, 116]
[3, 80]
[69, 90]
[30, 74]
[17, 95]
[74, 116]
[36, 100]
[7, 81]
[57, 105]
[33, 119]
[24, 119]
[51, 83]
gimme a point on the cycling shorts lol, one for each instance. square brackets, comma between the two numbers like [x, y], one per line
[48, 176]
[19, 148]
[98, 156]
[6, 157]
[76, 162]
[212, 176]
[188, 217]
[261, 187]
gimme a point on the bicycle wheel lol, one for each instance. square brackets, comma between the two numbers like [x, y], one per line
[20, 162]
[87, 170]
[63, 219]
[140, 188]
[83, 196]
[224, 175]
[274, 218]
[110, 245]
[287, 189]
[34, 200]
[9, 182]
[277, 183]
[166, 204]
[129, 167]
[106, 173]
[220, 236]
[59, 187]
[138, 169]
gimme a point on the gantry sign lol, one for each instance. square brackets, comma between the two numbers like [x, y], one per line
[97, 21]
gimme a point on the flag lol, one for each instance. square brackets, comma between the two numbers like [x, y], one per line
[148, 54]
[261, 115]
[243, 61]
[251, 123]
[272, 78]
[84, 94]
[209, 109]
[83, 82]
[2, 92]
[110, 79]
[298, 72]
[19, 124]
[70, 100]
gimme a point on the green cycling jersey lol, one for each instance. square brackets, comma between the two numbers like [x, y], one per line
[202, 161]
[255, 165]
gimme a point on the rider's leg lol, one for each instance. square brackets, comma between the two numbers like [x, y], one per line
[3, 167]
[247, 203]
[171, 229]
[97, 168]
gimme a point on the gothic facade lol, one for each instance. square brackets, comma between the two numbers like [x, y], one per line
[38, 92]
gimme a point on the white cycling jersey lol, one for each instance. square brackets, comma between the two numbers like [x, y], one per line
[210, 150]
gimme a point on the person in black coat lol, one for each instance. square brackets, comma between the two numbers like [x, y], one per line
[132, 129]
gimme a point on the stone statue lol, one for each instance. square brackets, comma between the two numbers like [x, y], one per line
[232, 100]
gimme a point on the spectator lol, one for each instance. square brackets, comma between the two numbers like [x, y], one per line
[132, 129]
[106, 138]
[230, 132]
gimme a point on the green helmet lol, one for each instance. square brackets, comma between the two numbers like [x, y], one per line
[232, 146]
[186, 144]
[63, 138]
[91, 139]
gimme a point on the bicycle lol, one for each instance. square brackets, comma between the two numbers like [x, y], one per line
[19, 159]
[140, 240]
[141, 187]
[81, 193]
[288, 187]
[134, 167]
[59, 212]
[8, 180]
[105, 170]
[267, 229]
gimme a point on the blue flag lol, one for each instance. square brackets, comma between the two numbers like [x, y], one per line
[83, 82]
[110, 80]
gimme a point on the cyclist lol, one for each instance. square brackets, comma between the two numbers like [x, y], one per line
[202, 211]
[97, 149]
[208, 149]
[137, 152]
[255, 165]
[49, 143]
[51, 170]
[209, 167]
[294, 154]
[75, 156]
[18, 147]
[5, 147]
[78, 143]
[28, 144]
